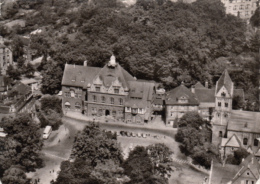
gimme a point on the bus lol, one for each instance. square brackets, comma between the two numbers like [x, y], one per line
[47, 132]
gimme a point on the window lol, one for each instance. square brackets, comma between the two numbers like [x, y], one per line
[72, 93]
[219, 104]
[94, 110]
[226, 115]
[220, 134]
[223, 94]
[98, 89]
[103, 99]
[94, 98]
[113, 113]
[241, 7]
[67, 94]
[247, 13]
[255, 142]
[67, 105]
[121, 101]
[172, 114]
[116, 91]
[77, 105]
[235, 7]
[112, 100]
[245, 141]
[134, 110]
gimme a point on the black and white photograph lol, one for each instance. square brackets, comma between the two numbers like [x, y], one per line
[129, 91]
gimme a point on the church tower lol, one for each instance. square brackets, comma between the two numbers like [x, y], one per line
[223, 106]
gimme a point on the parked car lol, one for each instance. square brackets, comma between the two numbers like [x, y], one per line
[118, 133]
[128, 134]
[133, 134]
[139, 135]
[144, 135]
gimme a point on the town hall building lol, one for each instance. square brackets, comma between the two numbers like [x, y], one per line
[108, 91]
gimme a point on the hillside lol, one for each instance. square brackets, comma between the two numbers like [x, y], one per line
[169, 42]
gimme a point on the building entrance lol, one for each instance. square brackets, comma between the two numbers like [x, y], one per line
[107, 113]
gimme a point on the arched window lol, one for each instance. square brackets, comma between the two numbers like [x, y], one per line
[103, 99]
[94, 98]
[67, 105]
[255, 142]
[112, 100]
[245, 141]
[220, 134]
[120, 101]
[77, 105]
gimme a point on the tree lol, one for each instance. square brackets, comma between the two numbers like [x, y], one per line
[51, 81]
[160, 156]
[13, 73]
[29, 70]
[237, 157]
[138, 166]
[95, 145]
[24, 141]
[192, 119]
[255, 19]
[238, 102]
[15, 175]
[51, 102]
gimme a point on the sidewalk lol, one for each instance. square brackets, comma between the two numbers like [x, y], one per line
[155, 125]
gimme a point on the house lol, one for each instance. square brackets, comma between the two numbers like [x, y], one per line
[241, 8]
[245, 173]
[5, 84]
[108, 91]
[6, 57]
[177, 102]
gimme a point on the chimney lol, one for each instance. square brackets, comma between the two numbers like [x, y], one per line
[86, 63]
[192, 89]
[206, 84]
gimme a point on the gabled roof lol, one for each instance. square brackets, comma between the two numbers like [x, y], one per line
[198, 85]
[140, 93]
[250, 163]
[225, 81]
[180, 91]
[205, 95]
[78, 75]
[21, 88]
[233, 141]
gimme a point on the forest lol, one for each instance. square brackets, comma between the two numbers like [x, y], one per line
[168, 42]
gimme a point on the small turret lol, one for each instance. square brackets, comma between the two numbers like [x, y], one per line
[112, 61]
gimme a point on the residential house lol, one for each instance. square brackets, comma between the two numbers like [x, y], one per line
[108, 91]
[241, 8]
[245, 173]
[177, 102]
[6, 58]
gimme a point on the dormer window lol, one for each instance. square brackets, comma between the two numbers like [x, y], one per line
[98, 89]
[183, 100]
[116, 91]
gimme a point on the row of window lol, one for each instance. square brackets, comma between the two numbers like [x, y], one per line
[77, 105]
[235, 1]
[72, 95]
[134, 110]
[241, 7]
[220, 104]
[103, 100]
[116, 90]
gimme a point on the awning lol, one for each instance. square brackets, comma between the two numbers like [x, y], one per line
[67, 103]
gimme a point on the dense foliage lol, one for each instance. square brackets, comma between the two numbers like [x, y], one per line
[237, 157]
[159, 40]
[22, 144]
[194, 134]
[50, 112]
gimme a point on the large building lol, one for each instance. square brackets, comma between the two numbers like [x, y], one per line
[241, 8]
[107, 91]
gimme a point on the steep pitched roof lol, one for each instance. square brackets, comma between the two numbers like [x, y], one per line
[225, 81]
[78, 75]
[198, 85]
[250, 163]
[140, 93]
[244, 121]
[233, 141]
[109, 74]
[173, 95]
[205, 95]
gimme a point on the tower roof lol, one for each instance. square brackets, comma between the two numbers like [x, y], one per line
[225, 81]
